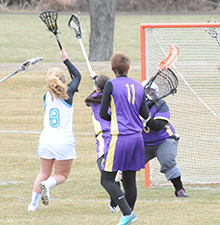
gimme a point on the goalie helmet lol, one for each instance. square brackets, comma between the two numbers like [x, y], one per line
[153, 92]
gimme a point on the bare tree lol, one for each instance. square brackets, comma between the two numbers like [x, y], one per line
[102, 21]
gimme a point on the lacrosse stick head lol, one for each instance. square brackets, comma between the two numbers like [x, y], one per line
[164, 83]
[29, 62]
[75, 24]
[212, 31]
[50, 19]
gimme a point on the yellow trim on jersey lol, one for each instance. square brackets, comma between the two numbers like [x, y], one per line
[114, 123]
[111, 154]
[97, 126]
[168, 130]
[155, 102]
[98, 132]
[101, 144]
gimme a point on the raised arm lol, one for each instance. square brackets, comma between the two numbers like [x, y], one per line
[74, 74]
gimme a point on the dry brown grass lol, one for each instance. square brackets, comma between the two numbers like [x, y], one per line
[81, 199]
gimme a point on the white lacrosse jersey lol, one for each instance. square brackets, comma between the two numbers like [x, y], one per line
[57, 139]
[58, 114]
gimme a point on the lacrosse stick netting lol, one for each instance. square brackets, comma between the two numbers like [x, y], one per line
[212, 31]
[50, 19]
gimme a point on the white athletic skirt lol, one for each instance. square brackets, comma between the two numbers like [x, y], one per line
[58, 144]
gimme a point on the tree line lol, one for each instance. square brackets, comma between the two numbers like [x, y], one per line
[102, 12]
[158, 6]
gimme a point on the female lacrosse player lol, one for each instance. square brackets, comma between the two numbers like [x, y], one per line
[101, 126]
[161, 141]
[126, 99]
[57, 142]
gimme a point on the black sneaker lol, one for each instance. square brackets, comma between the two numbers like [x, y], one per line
[181, 194]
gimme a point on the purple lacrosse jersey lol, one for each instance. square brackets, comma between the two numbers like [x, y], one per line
[126, 100]
[126, 149]
[101, 129]
[159, 110]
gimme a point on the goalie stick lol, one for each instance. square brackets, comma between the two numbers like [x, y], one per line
[164, 82]
[50, 19]
[74, 23]
[24, 66]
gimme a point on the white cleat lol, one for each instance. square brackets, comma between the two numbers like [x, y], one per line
[32, 208]
[45, 193]
[114, 209]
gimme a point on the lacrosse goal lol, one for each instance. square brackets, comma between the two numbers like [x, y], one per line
[195, 108]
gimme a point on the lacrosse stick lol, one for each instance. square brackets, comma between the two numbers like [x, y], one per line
[171, 58]
[164, 83]
[50, 19]
[24, 66]
[75, 24]
[212, 31]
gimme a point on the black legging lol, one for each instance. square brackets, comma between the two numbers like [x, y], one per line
[125, 201]
[112, 202]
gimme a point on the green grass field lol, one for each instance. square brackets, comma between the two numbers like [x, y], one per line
[81, 199]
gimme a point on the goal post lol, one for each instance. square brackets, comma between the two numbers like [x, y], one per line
[195, 108]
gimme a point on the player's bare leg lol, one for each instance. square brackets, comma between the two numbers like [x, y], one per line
[45, 172]
[61, 173]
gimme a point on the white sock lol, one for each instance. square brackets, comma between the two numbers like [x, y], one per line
[35, 198]
[50, 182]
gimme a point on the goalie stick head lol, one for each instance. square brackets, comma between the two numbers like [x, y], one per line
[49, 17]
[164, 83]
[75, 24]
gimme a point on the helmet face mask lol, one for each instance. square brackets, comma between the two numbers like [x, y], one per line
[153, 91]
[153, 94]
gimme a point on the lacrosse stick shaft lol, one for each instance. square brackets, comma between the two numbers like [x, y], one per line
[24, 66]
[217, 41]
[5, 78]
[85, 56]
[58, 41]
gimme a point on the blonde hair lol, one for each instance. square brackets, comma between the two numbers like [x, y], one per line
[55, 85]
